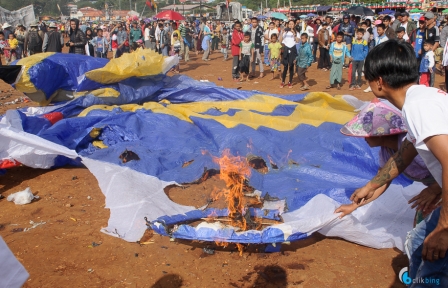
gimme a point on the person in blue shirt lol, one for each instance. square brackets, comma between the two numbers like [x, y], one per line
[416, 38]
[359, 52]
[303, 60]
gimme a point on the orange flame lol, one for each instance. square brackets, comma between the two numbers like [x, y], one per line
[234, 170]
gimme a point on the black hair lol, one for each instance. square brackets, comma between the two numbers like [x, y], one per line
[360, 30]
[394, 62]
[387, 18]
[13, 35]
[271, 23]
[304, 34]
[134, 46]
[429, 42]
[237, 22]
[274, 35]
[254, 18]
[98, 30]
[363, 23]
[160, 25]
[369, 22]
[382, 26]
[340, 34]
[247, 34]
[1, 33]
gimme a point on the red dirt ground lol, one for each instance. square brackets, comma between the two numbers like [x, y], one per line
[60, 253]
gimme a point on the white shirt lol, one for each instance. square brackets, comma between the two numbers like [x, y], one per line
[268, 33]
[430, 56]
[425, 111]
[157, 33]
[381, 39]
[405, 26]
[147, 38]
[288, 39]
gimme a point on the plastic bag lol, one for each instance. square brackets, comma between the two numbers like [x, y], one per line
[22, 197]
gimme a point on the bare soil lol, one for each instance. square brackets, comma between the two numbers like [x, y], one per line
[70, 251]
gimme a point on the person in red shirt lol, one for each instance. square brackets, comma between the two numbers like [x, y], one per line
[237, 37]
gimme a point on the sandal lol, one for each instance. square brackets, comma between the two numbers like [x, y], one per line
[339, 87]
[351, 88]
[261, 75]
[329, 87]
[304, 88]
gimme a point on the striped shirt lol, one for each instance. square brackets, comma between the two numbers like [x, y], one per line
[183, 31]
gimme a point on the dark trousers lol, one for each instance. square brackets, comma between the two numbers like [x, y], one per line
[357, 68]
[100, 54]
[289, 67]
[324, 58]
[236, 67]
[446, 78]
[215, 43]
[315, 46]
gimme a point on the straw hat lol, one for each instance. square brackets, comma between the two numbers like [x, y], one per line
[52, 25]
[6, 25]
[376, 119]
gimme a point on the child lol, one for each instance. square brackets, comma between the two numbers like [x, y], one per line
[400, 34]
[13, 45]
[100, 44]
[304, 60]
[140, 44]
[237, 37]
[274, 54]
[4, 46]
[386, 129]
[360, 49]
[380, 29]
[427, 64]
[225, 43]
[176, 50]
[246, 55]
[338, 53]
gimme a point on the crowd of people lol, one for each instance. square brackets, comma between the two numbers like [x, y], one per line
[281, 47]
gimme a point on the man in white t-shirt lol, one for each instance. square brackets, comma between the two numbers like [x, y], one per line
[391, 69]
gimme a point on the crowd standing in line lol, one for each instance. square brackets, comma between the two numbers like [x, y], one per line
[335, 44]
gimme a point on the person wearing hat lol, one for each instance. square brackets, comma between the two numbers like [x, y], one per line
[407, 24]
[33, 40]
[135, 33]
[416, 38]
[383, 126]
[6, 29]
[53, 40]
[432, 34]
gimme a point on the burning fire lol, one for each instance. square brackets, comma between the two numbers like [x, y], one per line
[234, 170]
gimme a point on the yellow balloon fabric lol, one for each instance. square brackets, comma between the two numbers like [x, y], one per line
[141, 63]
[315, 109]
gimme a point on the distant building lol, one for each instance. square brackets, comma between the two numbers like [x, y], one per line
[122, 14]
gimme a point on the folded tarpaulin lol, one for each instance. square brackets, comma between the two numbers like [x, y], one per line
[55, 77]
